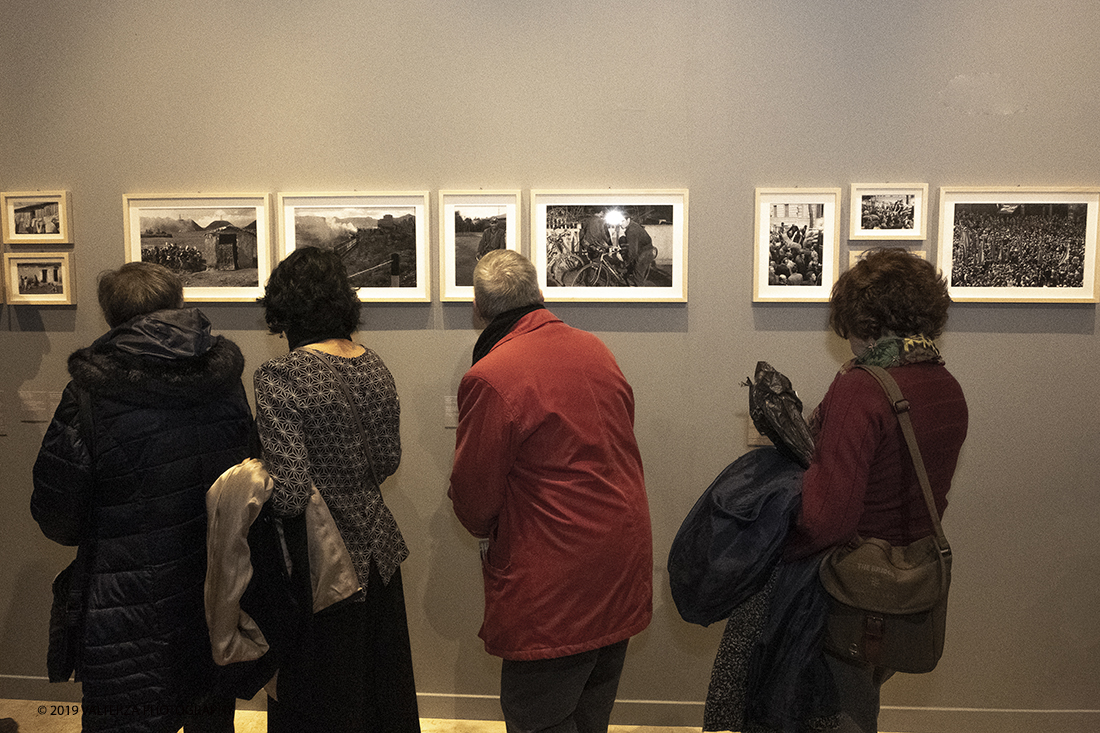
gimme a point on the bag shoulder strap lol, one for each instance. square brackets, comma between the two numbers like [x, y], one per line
[900, 406]
[343, 384]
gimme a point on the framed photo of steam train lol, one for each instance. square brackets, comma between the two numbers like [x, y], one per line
[381, 237]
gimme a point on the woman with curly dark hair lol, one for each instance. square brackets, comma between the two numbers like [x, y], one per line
[354, 670]
[891, 305]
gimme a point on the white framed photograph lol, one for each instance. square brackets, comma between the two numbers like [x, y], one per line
[36, 217]
[611, 245]
[1019, 245]
[797, 254]
[894, 211]
[218, 243]
[39, 278]
[381, 237]
[472, 223]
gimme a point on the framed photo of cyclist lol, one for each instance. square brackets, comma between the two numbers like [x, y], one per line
[1019, 245]
[797, 255]
[610, 245]
[381, 237]
[890, 211]
[219, 244]
[472, 223]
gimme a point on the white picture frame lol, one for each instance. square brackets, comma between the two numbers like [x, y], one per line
[1019, 245]
[888, 211]
[573, 267]
[218, 243]
[382, 236]
[489, 220]
[797, 252]
[39, 278]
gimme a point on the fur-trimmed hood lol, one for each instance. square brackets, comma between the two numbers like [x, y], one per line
[167, 354]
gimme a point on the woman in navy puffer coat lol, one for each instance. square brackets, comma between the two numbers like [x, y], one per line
[154, 413]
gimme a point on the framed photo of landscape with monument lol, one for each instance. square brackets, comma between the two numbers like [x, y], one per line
[219, 244]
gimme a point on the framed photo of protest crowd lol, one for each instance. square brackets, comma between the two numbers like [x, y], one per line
[797, 255]
[471, 224]
[36, 217]
[381, 237]
[891, 211]
[219, 244]
[610, 245]
[1019, 245]
[39, 278]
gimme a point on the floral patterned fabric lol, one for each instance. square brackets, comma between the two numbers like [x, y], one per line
[310, 437]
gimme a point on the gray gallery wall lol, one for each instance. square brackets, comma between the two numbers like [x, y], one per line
[715, 96]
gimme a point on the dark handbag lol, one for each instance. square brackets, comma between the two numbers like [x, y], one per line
[65, 629]
[888, 605]
[65, 645]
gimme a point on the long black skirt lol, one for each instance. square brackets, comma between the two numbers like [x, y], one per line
[353, 672]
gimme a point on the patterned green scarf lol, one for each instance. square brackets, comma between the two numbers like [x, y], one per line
[892, 351]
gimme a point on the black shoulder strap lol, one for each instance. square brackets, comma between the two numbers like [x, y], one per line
[901, 410]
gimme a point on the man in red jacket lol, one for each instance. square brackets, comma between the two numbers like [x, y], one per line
[547, 471]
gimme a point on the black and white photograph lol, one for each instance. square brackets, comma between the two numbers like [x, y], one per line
[1019, 245]
[473, 223]
[219, 245]
[796, 244]
[382, 238]
[36, 217]
[43, 278]
[894, 211]
[625, 246]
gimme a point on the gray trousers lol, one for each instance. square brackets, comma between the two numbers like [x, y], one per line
[571, 694]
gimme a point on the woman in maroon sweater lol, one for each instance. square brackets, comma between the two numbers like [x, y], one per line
[890, 306]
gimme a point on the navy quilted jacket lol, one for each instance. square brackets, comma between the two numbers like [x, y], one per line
[168, 415]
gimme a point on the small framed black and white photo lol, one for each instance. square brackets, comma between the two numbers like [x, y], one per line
[36, 217]
[889, 211]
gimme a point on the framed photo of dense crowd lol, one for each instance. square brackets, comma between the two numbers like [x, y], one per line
[39, 278]
[381, 237]
[219, 244]
[890, 211]
[36, 217]
[1019, 245]
[610, 245]
[471, 224]
[797, 255]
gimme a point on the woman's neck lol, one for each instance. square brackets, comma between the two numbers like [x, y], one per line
[337, 347]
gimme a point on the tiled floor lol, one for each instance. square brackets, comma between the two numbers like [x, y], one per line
[33, 716]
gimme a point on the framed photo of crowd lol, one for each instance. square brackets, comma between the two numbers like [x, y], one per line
[381, 237]
[472, 223]
[890, 211]
[1019, 245]
[797, 254]
[36, 217]
[219, 244]
[610, 245]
